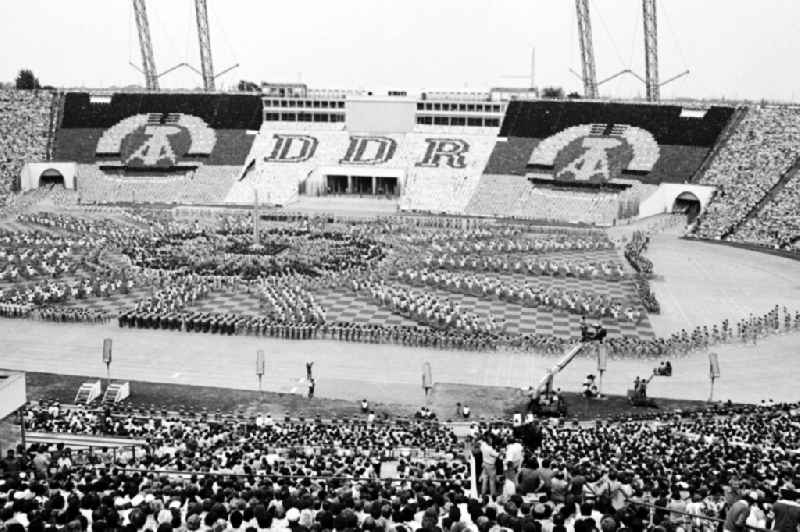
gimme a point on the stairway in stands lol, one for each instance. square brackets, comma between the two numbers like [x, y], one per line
[722, 140]
[56, 114]
[497, 195]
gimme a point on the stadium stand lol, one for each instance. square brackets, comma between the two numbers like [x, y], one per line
[24, 122]
[758, 157]
[683, 141]
[777, 223]
[444, 188]
[514, 196]
[206, 184]
[287, 160]
[497, 194]
[591, 152]
[691, 470]
[184, 148]
[281, 159]
[567, 206]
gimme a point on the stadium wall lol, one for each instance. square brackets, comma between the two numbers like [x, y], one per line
[378, 116]
[13, 393]
[663, 199]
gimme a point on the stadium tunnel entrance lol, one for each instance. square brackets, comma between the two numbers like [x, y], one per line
[687, 203]
[35, 175]
[50, 177]
[361, 185]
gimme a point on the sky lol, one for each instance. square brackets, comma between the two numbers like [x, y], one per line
[734, 49]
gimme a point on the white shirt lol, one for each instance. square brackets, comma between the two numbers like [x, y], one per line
[514, 453]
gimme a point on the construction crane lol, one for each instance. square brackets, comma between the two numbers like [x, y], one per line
[651, 50]
[146, 45]
[589, 76]
[204, 37]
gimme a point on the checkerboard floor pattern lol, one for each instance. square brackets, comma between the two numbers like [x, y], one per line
[224, 302]
[114, 304]
[529, 320]
[345, 305]
[340, 305]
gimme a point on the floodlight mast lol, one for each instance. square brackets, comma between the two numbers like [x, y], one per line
[589, 76]
[652, 86]
[204, 37]
[145, 45]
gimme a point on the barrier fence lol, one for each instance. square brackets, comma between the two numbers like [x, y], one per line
[689, 521]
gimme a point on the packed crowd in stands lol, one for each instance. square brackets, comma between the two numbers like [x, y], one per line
[724, 467]
[24, 128]
[764, 146]
[777, 224]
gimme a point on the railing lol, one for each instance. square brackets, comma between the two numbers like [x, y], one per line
[689, 520]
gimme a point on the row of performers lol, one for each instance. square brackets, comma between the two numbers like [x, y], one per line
[179, 321]
[209, 322]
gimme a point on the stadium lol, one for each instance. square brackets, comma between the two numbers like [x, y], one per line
[309, 309]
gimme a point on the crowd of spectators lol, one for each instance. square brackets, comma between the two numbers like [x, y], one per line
[24, 128]
[765, 144]
[671, 472]
[777, 224]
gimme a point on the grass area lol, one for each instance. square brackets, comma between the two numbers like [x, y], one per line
[49, 386]
[484, 401]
